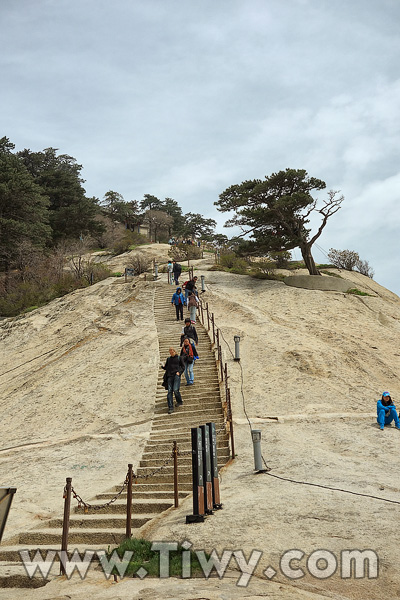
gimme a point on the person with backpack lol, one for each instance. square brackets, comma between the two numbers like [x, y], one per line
[386, 412]
[178, 299]
[187, 356]
[190, 286]
[174, 367]
[190, 332]
[176, 270]
[192, 303]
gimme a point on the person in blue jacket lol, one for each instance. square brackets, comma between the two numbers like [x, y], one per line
[179, 300]
[386, 412]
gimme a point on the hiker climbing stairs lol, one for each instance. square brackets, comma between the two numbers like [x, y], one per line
[103, 522]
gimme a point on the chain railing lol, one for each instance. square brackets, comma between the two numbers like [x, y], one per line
[207, 316]
[70, 493]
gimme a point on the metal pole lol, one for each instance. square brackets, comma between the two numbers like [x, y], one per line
[217, 347]
[67, 509]
[128, 532]
[176, 491]
[231, 423]
[237, 346]
[155, 270]
[203, 287]
[256, 437]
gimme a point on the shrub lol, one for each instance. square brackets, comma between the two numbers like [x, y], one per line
[350, 260]
[343, 259]
[364, 268]
[140, 263]
[233, 262]
[183, 252]
[281, 258]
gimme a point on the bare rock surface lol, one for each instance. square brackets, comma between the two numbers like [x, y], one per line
[77, 385]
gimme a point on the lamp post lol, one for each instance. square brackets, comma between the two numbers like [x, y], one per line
[237, 353]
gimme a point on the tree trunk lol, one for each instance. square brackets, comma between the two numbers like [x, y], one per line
[308, 259]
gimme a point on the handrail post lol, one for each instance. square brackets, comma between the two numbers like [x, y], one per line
[213, 326]
[128, 532]
[231, 423]
[208, 317]
[176, 491]
[65, 531]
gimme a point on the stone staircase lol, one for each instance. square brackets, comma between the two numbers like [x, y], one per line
[153, 491]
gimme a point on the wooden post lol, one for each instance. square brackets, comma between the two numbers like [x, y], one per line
[128, 531]
[126, 276]
[213, 326]
[176, 491]
[208, 317]
[65, 531]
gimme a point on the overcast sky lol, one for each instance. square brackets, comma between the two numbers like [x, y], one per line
[182, 99]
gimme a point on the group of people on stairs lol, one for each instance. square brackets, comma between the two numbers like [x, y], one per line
[176, 365]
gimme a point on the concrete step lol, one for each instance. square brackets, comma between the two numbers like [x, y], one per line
[167, 495]
[11, 553]
[171, 435]
[160, 456]
[153, 487]
[96, 521]
[81, 536]
[13, 575]
[119, 506]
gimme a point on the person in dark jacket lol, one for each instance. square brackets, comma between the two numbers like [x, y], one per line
[386, 412]
[178, 299]
[189, 331]
[174, 367]
[190, 286]
[176, 270]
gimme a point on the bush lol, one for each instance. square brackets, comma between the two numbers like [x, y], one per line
[364, 268]
[234, 263]
[281, 258]
[140, 263]
[183, 252]
[350, 260]
[343, 259]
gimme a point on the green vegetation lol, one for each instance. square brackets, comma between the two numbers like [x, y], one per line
[350, 261]
[331, 274]
[357, 292]
[144, 557]
[275, 213]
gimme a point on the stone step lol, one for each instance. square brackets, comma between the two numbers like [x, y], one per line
[153, 487]
[168, 495]
[13, 575]
[119, 506]
[10, 553]
[81, 536]
[172, 425]
[189, 412]
[96, 521]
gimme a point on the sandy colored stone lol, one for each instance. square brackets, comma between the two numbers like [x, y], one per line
[78, 385]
